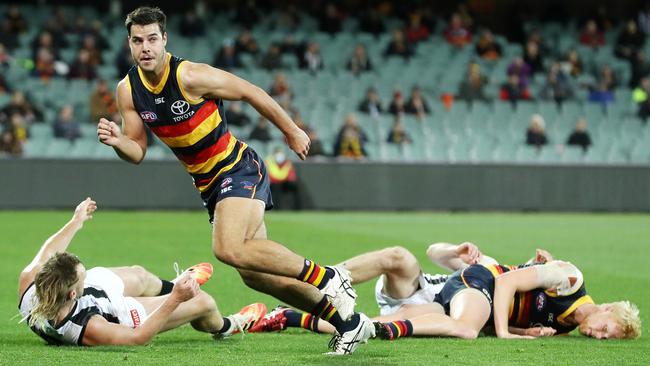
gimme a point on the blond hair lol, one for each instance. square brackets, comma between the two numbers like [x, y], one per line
[53, 283]
[628, 317]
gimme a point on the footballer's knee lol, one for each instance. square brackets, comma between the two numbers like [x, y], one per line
[205, 302]
[466, 332]
[397, 258]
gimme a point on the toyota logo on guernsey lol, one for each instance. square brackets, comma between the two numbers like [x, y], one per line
[180, 107]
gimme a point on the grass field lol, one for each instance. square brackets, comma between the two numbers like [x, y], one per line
[611, 250]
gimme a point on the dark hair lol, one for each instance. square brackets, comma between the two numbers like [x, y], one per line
[145, 15]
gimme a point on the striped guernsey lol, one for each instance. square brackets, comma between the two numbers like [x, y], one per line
[194, 129]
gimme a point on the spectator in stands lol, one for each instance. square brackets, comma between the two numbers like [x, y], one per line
[398, 46]
[311, 59]
[572, 63]
[603, 91]
[19, 104]
[235, 116]
[629, 41]
[191, 25]
[533, 57]
[359, 62]
[350, 141]
[272, 59]
[289, 45]
[536, 37]
[472, 88]
[372, 103]
[580, 136]
[245, 43]
[280, 90]
[397, 105]
[5, 58]
[9, 143]
[536, 133]
[457, 34]
[16, 22]
[83, 67]
[227, 57]
[640, 97]
[639, 67]
[487, 47]
[123, 60]
[331, 20]
[44, 65]
[416, 104]
[416, 31]
[89, 43]
[521, 69]
[397, 134]
[513, 91]
[45, 40]
[102, 103]
[261, 131]
[591, 36]
[65, 126]
[372, 22]
[558, 86]
[19, 133]
[283, 179]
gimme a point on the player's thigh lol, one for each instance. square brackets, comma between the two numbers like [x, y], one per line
[471, 307]
[199, 306]
[236, 219]
[133, 277]
[402, 277]
[410, 311]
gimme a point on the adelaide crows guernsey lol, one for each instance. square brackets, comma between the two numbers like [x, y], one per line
[194, 129]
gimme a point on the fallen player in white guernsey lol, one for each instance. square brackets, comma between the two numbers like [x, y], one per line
[401, 283]
[65, 304]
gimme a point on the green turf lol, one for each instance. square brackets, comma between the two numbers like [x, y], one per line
[611, 250]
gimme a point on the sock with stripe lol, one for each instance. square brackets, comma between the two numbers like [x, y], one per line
[315, 275]
[298, 319]
[227, 325]
[327, 312]
[398, 329]
[166, 287]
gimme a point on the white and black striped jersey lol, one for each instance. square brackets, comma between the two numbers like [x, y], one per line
[70, 330]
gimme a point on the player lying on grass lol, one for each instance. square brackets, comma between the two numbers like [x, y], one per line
[528, 302]
[65, 304]
[401, 284]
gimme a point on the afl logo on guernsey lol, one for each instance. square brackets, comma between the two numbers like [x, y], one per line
[540, 301]
[148, 116]
[180, 107]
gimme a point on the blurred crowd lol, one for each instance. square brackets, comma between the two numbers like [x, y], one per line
[563, 74]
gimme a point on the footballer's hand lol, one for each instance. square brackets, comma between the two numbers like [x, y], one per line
[540, 332]
[514, 336]
[84, 210]
[542, 256]
[469, 253]
[185, 288]
[299, 142]
[108, 132]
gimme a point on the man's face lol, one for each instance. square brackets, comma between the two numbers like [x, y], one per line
[601, 325]
[147, 45]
